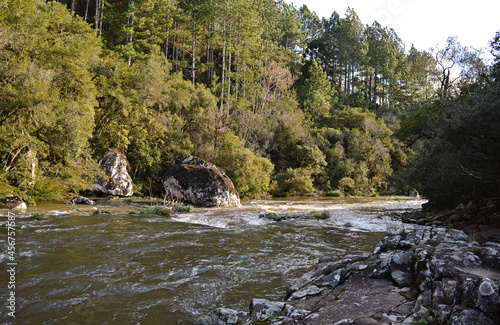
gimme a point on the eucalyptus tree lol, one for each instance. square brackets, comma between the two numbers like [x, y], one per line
[456, 63]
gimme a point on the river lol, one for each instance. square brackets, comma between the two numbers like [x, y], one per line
[123, 268]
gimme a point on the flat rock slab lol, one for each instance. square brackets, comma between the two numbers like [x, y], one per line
[357, 298]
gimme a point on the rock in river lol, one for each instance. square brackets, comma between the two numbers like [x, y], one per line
[119, 182]
[198, 182]
[81, 200]
[12, 203]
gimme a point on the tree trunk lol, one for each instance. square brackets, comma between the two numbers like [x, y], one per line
[238, 61]
[86, 10]
[99, 12]
[221, 107]
[229, 63]
[97, 15]
[166, 38]
[130, 22]
[175, 46]
[193, 61]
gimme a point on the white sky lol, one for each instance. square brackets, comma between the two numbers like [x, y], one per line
[424, 23]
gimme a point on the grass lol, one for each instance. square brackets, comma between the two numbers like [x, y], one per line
[101, 211]
[39, 216]
[271, 216]
[182, 207]
[159, 210]
[323, 215]
[128, 200]
[335, 193]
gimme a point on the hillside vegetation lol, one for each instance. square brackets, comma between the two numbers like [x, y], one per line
[285, 102]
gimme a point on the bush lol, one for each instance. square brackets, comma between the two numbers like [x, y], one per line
[294, 182]
[159, 210]
[323, 215]
[346, 185]
[334, 193]
[182, 208]
[101, 211]
[250, 173]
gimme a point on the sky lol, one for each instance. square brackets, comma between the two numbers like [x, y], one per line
[423, 23]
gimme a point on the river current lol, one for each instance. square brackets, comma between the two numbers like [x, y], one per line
[122, 268]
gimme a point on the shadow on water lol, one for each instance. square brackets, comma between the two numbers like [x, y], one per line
[123, 268]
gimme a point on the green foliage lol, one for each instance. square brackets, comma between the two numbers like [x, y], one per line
[182, 208]
[159, 210]
[334, 193]
[358, 148]
[294, 182]
[457, 143]
[39, 216]
[250, 173]
[47, 96]
[323, 215]
[225, 80]
[102, 211]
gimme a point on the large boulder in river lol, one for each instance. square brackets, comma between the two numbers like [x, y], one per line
[198, 182]
[12, 203]
[114, 165]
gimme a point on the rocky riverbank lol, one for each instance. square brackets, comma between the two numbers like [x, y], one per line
[480, 221]
[432, 276]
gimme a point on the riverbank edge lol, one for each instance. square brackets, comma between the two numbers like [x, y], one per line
[431, 276]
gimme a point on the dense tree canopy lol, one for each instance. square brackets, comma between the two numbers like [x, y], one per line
[287, 103]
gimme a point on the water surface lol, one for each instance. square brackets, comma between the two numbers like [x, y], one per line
[121, 268]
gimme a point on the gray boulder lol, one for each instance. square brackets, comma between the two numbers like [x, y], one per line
[82, 200]
[119, 182]
[12, 203]
[197, 182]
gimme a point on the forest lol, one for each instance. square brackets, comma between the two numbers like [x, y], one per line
[285, 102]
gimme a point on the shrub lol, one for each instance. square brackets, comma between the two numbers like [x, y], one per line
[250, 173]
[182, 208]
[346, 185]
[335, 193]
[159, 210]
[101, 211]
[294, 182]
[323, 215]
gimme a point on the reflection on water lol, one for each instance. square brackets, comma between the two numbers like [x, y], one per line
[123, 268]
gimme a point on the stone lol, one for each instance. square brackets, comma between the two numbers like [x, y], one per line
[381, 269]
[333, 279]
[488, 299]
[402, 268]
[119, 182]
[201, 184]
[226, 316]
[387, 243]
[308, 291]
[469, 317]
[81, 200]
[263, 309]
[458, 235]
[12, 203]
[412, 192]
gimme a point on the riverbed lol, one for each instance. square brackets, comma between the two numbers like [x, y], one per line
[122, 268]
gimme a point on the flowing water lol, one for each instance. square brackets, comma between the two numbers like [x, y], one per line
[123, 268]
